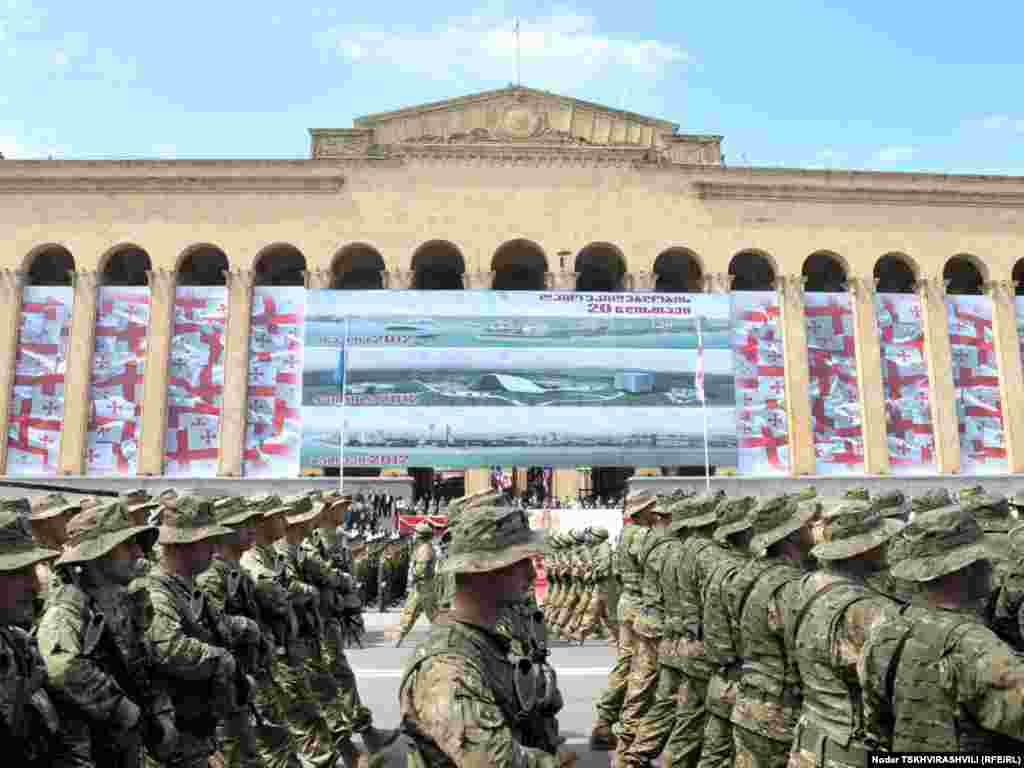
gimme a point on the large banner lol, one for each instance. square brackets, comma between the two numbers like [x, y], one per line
[118, 368]
[758, 360]
[273, 416]
[835, 399]
[37, 399]
[196, 381]
[472, 378]
[908, 414]
[976, 380]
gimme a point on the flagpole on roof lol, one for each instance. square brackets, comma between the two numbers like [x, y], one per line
[699, 380]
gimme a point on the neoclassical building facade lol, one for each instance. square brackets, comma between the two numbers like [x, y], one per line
[519, 189]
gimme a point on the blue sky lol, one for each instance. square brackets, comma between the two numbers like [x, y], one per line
[871, 84]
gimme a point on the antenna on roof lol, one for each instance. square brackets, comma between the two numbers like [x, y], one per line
[518, 61]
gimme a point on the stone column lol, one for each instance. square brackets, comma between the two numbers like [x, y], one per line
[318, 279]
[560, 281]
[565, 482]
[945, 426]
[1011, 375]
[869, 375]
[803, 460]
[640, 282]
[236, 371]
[153, 429]
[400, 279]
[79, 373]
[12, 283]
[478, 280]
[477, 480]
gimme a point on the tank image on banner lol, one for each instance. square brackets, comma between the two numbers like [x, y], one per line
[908, 414]
[835, 399]
[976, 381]
[118, 368]
[37, 399]
[196, 381]
[758, 364]
[273, 434]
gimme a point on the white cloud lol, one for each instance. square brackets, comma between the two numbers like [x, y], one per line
[894, 155]
[998, 123]
[830, 157]
[13, 148]
[165, 151]
[561, 50]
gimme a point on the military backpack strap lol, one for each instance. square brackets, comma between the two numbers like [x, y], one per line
[233, 580]
[650, 550]
[794, 626]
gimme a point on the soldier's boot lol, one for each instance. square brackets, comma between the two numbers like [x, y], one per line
[351, 757]
[602, 739]
[377, 740]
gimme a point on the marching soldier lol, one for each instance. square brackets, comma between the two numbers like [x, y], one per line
[92, 638]
[460, 696]
[576, 569]
[596, 615]
[201, 674]
[28, 720]
[423, 598]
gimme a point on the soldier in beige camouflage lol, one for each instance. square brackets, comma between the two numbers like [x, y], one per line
[92, 637]
[28, 719]
[50, 516]
[423, 598]
[596, 617]
[937, 679]
[460, 696]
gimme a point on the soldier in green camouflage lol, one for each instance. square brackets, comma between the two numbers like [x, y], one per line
[733, 534]
[639, 509]
[28, 719]
[423, 597]
[50, 516]
[577, 569]
[596, 616]
[200, 673]
[92, 637]
[460, 697]
[937, 679]
[552, 572]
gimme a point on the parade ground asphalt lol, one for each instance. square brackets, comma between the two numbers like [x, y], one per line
[582, 675]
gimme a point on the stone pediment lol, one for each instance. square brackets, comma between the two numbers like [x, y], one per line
[513, 116]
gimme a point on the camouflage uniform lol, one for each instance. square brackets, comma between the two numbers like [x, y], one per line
[596, 616]
[832, 617]
[553, 573]
[200, 673]
[28, 720]
[98, 660]
[44, 511]
[582, 582]
[768, 701]
[937, 679]
[632, 541]
[423, 598]
[460, 696]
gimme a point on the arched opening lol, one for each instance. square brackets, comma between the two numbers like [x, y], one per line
[519, 265]
[752, 271]
[963, 276]
[126, 265]
[279, 265]
[1018, 277]
[824, 273]
[357, 267]
[438, 266]
[203, 265]
[600, 267]
[50, 265]
[678, 271]
[895, 273]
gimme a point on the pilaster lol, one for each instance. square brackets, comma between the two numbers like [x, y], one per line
[478, 280]
[946, 428]
[803, 460]
[560, 281]
[79, 373]
[12, 283]
[236, 371]
[1011, 375]
[640, 282]
[869, 375]
[565, 483]
[477, 480]
[318, 279]
[720, 282]
[399, 280]
[162, 283]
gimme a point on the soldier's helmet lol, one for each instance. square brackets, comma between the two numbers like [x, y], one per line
[579, 536]
[600, 533]
[695, 512]
[18, 549]
[734, 517]
[852, 529]
[778, 516]
[190, 520]
[638, 501]
[933, 498]
[944, 541]
[859, 493]
[97, 531]
[233, 511]
[491, 538]
[51, 505]
[992, 511]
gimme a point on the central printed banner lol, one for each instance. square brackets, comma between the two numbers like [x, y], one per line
[480, 378]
